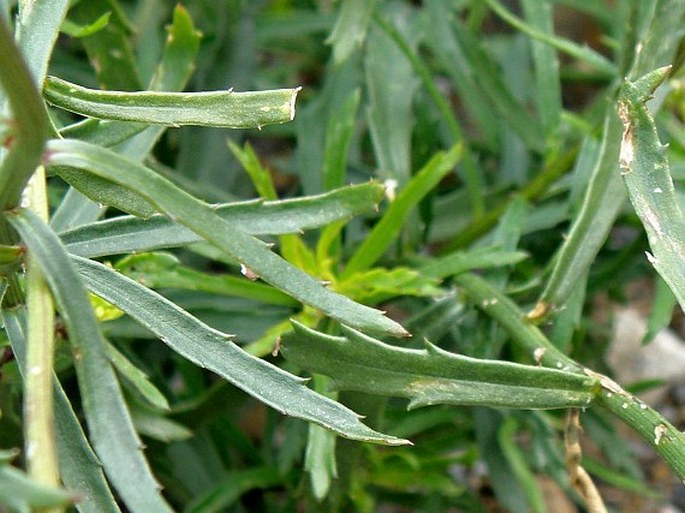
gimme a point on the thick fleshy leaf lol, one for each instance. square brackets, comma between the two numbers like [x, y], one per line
[201, 218]
[109, 424]
[226, 109]
[132, 234]
[213, 350]
[432, 375]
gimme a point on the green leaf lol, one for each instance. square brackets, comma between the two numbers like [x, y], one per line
[36, 32]
[132, 139]
[130, 234]
[517, 463]
[224, 109]
[158, 427]
[463, 261]
[106, 192]
[391, 84]
[582, 53]
[319, 457]
[213, 350]
[163, 270]
[432, 375]
[80, 469]
[350, 28]
[548, 95]
[339, 134]
[260, 176]
[605, 194]
[229, 490]
[137, 379]
[488, 77]
[172, 74]
[75, 30]
[28, 125]
[387, 229]
[662, 311]
[108, 49]
[378, 284]
[602, 202]
[646, 173]
[23, 495]
[109, 423]
[202, 219]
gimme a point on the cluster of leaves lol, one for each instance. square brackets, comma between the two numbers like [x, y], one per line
[438, 154]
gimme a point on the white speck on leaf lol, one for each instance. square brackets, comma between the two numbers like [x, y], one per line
[659, 432]
[248, 273]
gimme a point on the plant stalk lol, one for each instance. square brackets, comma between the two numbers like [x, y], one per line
[41, 451]
[661, 435]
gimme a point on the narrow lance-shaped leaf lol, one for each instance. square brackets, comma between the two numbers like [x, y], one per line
[164, 270]
[127, 234]
[22, 494]
[647, 177]
[392, 221]
[111, 430]
[213, 350]
[135, 140]
[655, 46]
[37, 29]
[226, 109]
[583, 53]
[80, 469]
[28, 125]
[432, 375]
[202, 219]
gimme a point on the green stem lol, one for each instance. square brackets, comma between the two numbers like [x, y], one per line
[666, 440]
[40, 442]
[473, 179]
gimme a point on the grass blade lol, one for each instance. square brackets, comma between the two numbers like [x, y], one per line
[109, 423]
[391, 84]
[211, 349]
[582, 53]
[548, 97]
[203, 220]
[223, 109]
[603, 199]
